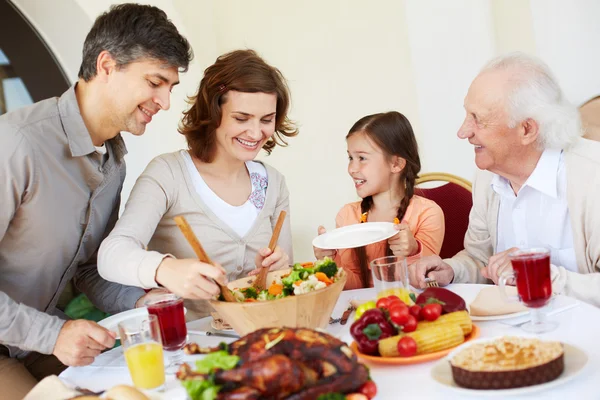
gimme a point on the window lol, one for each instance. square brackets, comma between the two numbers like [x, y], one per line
[29, 71]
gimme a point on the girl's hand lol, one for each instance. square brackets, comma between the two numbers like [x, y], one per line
[190, 278]
[274, 260]
[403, 244]
[322, 253]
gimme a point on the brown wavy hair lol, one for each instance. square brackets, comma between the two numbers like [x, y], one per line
[393, 134]
[242, 71]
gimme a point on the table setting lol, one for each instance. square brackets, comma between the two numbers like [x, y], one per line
[384, 342]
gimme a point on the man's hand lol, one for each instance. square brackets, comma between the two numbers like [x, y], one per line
[322, 253]
[430, 267]
[80, 341]
[149, 296]
[190, 278]
[498, 264]
[403, 244]
[275, 260]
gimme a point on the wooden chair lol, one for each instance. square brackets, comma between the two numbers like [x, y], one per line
[590, 118]
[455, 199]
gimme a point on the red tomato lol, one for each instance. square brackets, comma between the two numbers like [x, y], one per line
[407, 347]
[431, 312]
[399, 315]
[395, 301]
[410, 325]
[415, 311]
[383, 302]
[369, 389]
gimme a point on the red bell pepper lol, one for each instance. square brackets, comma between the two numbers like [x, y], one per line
[450, 301]
[369, 329]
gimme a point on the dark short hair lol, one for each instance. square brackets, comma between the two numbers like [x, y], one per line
[130, 32]
[242, 71]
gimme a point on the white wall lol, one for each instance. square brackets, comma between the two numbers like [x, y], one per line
[345, 59]
[567, 34]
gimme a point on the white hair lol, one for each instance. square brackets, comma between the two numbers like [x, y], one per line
[535, 94]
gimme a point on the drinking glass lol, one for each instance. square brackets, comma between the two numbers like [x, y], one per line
[168, 308]
[390, 275]
[142, 347]
[531, 270]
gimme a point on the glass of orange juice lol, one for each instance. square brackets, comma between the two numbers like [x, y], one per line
[142, 346]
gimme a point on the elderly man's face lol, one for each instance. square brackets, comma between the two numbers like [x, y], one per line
[486, 122]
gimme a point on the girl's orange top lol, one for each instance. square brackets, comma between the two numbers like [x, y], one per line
[425, 220]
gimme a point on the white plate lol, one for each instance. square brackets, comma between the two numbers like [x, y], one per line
[575, 362]
[111, 323]
[351, 236]
[498, 317]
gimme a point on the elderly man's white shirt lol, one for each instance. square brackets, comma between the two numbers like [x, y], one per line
[538, 216]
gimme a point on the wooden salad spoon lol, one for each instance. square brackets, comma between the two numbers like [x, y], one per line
[186, 229]
[261, 279]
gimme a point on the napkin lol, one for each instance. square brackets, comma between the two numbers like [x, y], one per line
[51, 388]
[489, 302]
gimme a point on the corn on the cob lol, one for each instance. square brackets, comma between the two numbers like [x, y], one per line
[458, 317]
[428, 340]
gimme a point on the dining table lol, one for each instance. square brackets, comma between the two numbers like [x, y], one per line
[578, 325]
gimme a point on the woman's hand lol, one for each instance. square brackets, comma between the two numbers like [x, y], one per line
[403, 244]
[274, 260]
[322, 253]
[190, 278]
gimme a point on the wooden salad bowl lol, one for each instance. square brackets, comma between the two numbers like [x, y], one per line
[309, 310]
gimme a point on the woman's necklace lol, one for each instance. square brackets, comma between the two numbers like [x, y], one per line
[363, 218]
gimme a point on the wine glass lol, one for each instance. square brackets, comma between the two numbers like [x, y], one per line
[168, 308]
[531, 270]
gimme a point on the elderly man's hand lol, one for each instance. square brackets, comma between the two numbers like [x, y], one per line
[430, 267]
[497, 265]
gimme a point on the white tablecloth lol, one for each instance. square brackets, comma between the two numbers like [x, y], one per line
[579, 326]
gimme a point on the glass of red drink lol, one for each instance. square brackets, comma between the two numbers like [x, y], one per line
[168, 309]
[531, 271]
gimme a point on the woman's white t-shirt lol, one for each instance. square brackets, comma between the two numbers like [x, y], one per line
[239, 218]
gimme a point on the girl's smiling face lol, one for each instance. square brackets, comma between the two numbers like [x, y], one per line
[368, 165]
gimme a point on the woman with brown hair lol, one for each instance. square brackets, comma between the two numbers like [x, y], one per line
[384, 162]
[231, 201]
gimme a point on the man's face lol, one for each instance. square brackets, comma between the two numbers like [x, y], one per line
[486, 123]
[136, 92]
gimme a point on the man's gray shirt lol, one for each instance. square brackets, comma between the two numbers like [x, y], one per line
[58, 201]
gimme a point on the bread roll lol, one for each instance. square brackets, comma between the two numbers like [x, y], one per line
[124, 392]
[87, 398]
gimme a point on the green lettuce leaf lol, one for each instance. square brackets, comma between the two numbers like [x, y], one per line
[218, 359]
[200, 389]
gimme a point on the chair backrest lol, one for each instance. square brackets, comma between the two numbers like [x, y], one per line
[590, 118]
[454, 198]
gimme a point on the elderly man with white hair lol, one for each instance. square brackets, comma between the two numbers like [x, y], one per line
[538, 183]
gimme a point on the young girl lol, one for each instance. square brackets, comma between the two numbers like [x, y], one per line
[231, 201]
[384, 164]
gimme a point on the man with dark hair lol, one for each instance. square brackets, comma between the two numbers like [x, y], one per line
[61, 174]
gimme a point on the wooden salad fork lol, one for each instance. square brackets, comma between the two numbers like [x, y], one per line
[261, 279]
[186, 229]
